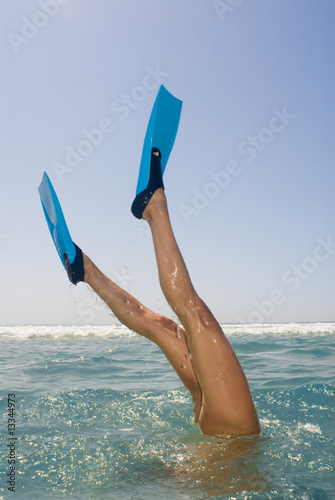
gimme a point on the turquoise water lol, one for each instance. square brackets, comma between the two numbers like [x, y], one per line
[101, 415]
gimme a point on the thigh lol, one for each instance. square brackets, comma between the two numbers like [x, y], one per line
[227, 405]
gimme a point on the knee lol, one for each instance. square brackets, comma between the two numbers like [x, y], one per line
[196, 308]
[159, 325]
[164, 323]
[203, 312]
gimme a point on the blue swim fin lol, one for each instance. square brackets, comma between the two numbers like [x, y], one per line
[160, 134]
[70, 255]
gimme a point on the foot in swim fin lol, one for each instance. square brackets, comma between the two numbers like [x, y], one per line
[155, 182]
[75, 271]
[159, 138]
[70, 254]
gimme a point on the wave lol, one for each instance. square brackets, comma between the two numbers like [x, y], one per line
[64, 332]
[280, 329]
[91, 332]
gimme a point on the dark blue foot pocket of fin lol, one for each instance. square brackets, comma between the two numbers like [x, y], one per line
[155, 182]
[75, 271]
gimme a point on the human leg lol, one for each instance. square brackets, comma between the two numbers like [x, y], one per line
[227, 407]
[164, 332]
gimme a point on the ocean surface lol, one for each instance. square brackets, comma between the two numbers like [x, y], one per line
[99, 414]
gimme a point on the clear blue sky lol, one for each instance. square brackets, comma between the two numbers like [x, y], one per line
[250, 182]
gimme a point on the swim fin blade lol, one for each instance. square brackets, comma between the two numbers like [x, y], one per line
[161, 133]
[56, 221]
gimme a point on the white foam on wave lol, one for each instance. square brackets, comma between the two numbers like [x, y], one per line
[64, 332]
[313, 428]
[87, 332]
[280, 329]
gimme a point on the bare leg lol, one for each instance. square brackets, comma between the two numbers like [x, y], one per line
[227, 407]
[161, 330]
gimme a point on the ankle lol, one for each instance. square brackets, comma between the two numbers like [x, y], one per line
[88, 267]
[156, 205]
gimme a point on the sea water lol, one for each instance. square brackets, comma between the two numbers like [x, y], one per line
[99, 414]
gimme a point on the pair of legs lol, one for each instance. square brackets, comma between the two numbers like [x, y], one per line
[198, 351]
